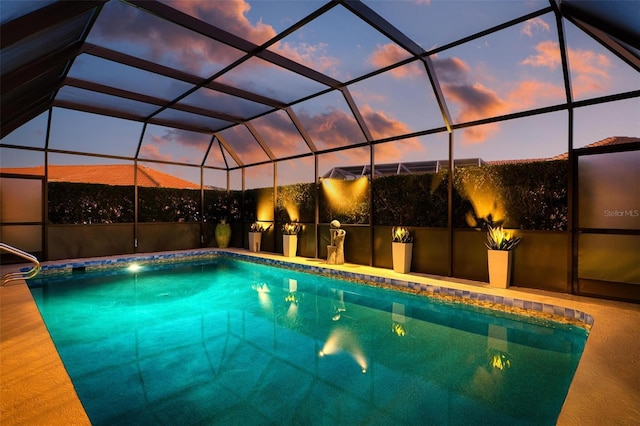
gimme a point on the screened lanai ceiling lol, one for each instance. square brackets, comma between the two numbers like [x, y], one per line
[227, 84]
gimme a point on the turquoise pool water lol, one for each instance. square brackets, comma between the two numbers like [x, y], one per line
[233, 342]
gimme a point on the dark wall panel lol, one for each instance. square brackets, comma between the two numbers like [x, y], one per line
[539, 261]
[430, 249]
[470, 255]
[78, 241]
[168, 236]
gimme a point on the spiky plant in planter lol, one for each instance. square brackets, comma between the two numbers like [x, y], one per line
[401, 248]
[291, 228]
[500, 244]
[401, 234]
[258, 227]
[499, 239]
[290, 238]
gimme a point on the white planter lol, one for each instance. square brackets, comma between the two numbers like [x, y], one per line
[255, 238]
[402, 253]
[289, 245]
[499, 268]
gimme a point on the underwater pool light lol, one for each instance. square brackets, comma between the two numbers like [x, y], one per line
[134, 267]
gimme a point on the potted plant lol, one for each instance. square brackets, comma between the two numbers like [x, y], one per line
[223, 233]
[255, 235]
[500, 244]
[402, 248]
[290, 233]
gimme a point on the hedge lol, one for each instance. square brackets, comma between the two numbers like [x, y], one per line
[520, 195]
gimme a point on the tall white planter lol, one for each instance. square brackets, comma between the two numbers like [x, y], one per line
[289, 245]
[255, 239]
[402, 253]
[499, 268]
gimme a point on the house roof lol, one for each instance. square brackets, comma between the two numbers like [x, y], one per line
[613, 140]
[108, 174]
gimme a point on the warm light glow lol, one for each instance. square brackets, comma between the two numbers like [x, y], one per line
[134, 267]
[264, 296]
[342, 340]
[486, 203]
[344, 195]
[500, 361]
[265, 207]
[398, 329]
[292, 211]
[292, 312]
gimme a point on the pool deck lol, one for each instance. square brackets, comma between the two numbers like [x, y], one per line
[35, 387]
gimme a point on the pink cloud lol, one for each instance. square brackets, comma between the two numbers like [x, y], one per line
[277, 131]
[231, 17]
[529, 93]
[389, 54]
[589, 72]
[333, 127]
[200, 141]
[228, 15]
[451, 69]
[358, 156]
[313, 56]
[164, 42]
[244, 144]
[152, 152]
[534, 24]
[393, 151]
[476, 101]
[382, 126]
[478, 134]
[548, 55]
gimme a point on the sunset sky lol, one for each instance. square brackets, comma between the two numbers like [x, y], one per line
[512, 70]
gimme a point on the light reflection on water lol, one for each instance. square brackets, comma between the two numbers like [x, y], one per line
[231, 341]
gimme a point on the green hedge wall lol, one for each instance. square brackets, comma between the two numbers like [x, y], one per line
[348, 202]
[89, 203]
[168, 205]
[258, 198]
[523, 195]
[302, 197]
[411, 200]
[220, 204]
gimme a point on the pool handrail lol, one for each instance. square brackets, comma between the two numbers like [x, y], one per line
[13, 276]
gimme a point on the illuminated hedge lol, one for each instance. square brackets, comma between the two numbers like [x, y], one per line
[518, 196]
[521, 196]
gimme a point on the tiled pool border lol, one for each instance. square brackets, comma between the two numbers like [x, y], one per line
[464, 296]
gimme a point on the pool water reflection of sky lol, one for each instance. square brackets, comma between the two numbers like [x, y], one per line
[512, 70]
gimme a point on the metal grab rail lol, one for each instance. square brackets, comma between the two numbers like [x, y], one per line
[12, 276]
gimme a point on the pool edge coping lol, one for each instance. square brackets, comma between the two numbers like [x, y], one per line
[478, 298]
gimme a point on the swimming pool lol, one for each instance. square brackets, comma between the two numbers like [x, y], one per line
[221, 341]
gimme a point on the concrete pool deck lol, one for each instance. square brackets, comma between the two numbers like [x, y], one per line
[35, 388]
